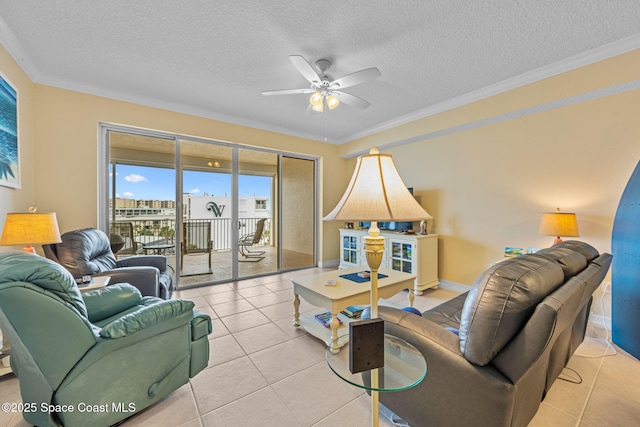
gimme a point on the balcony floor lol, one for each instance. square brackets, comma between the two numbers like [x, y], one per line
[196, 268]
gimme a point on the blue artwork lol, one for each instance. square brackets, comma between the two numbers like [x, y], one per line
[9, 160]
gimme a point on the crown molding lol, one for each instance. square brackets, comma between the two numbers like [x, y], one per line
[618, 47]
[174, 107]
[18, 52]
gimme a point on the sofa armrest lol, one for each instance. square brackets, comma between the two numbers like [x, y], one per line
[146, 317]
[157, 261]
[200, 325]
[450, 378]
[105, 302]
[423, 329]
[146, 279]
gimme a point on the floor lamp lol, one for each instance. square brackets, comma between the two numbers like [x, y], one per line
[375, 193]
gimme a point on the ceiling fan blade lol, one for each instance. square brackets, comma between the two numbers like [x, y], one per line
[356, 78]
[304, 68]
[352, 100]
[287, 91]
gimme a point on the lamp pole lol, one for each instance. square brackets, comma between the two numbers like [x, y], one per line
[374, 249]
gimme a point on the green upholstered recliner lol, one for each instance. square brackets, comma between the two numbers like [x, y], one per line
[105, 354]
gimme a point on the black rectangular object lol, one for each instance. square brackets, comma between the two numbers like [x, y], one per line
[366, 345]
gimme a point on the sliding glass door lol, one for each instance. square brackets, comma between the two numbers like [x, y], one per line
[207, 229]
[141, 195]
[218, 211]
[258, 252]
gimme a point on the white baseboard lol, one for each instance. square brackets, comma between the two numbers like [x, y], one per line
[453, 286]
[599, 321]
[334, 263]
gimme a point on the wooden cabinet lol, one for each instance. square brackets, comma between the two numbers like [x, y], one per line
[410, 253]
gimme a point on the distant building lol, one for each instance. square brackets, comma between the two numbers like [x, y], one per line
[207, 207]
[194, 207]
[133, 203]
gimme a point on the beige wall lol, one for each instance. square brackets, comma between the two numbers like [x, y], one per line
[487, 186]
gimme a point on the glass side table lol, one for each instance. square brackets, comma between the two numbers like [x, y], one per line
[404, 367]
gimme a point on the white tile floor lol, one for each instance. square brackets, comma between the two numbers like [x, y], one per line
[264, 372]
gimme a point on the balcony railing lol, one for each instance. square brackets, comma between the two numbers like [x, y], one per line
[138, 233]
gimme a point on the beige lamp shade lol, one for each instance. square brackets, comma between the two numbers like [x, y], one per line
[377, 193]
[559, 224]
[30, 228]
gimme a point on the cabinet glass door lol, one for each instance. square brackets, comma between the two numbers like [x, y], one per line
[402, 257]
[350, 249]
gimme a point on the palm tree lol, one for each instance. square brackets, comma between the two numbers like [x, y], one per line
[5, 168]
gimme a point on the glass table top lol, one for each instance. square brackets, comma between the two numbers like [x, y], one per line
[404, 365]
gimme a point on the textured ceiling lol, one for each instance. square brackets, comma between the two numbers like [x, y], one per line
[213, 58]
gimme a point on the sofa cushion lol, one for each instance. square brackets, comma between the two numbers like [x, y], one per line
[588, 251]
[146, 317]
[105, 302]
[448, 313]
[500, 302]
[570, 261]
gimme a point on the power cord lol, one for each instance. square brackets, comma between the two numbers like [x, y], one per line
[569, 379]
[607, 337]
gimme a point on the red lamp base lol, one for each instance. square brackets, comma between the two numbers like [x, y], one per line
[30, 249]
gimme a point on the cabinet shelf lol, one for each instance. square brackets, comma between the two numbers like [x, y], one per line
[410, 253]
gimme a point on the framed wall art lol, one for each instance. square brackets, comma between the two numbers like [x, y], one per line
[9, 143]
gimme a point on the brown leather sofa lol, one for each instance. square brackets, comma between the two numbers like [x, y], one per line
[494, 352]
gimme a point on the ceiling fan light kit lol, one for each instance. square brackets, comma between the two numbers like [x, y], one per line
[324, 89]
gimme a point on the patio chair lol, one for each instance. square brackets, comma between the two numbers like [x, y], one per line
[196, 238]
[122, 239]
[249, 240]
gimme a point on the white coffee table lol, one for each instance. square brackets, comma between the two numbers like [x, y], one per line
[336, 298]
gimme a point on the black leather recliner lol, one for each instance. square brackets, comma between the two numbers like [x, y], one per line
[88, 252]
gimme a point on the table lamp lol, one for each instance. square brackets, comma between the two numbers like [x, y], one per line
[375, 193]
[559, 224]
[30, 228]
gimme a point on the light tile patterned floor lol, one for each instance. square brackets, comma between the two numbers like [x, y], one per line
[264, 372]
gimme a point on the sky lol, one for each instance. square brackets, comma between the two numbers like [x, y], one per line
[147, 183]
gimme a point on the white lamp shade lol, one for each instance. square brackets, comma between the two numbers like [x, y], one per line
[377, 193]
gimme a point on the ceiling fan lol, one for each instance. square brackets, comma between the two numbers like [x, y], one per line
[324, 89]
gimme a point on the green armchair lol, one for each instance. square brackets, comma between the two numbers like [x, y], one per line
[93, 358]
